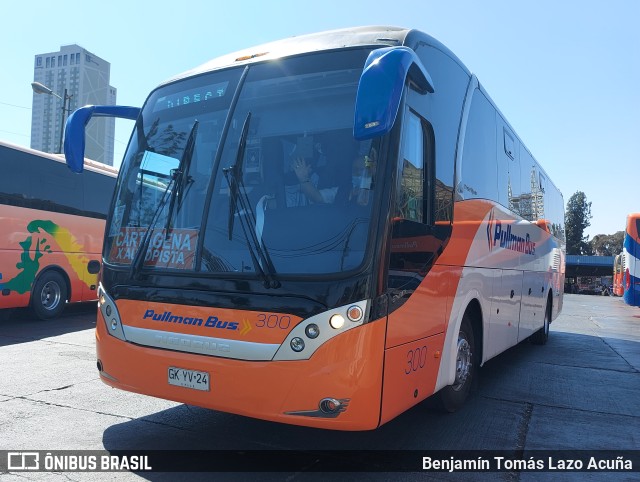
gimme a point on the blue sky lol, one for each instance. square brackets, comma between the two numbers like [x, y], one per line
[565, 73]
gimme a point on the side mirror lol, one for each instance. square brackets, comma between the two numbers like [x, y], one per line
[380, 89]
[74, 138]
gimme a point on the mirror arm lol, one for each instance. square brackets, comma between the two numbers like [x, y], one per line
[74, 135]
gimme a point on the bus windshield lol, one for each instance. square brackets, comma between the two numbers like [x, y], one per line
[249, 170]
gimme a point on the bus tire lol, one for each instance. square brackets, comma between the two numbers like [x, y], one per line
[49, 295]
[453, 396]
[541, 336]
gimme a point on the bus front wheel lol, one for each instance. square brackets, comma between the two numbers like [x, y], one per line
[49, 295]
[453, 396]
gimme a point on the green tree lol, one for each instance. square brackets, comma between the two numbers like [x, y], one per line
[577, 219]
[607, 244]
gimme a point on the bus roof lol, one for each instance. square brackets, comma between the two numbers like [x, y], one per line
[327, 40]
[89, 164]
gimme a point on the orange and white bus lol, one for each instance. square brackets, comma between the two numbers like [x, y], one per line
[323, 231]
[618, 274]
[52, 229]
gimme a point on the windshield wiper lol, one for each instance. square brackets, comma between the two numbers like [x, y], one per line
[234, 175]
[177, 181]
[238, 194]
[138, 259]
[182, 177]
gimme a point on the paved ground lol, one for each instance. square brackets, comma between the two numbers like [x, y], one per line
[580, 391]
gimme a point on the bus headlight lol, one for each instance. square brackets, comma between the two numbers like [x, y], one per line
[110, 314]
[313, 332]
[336, 321]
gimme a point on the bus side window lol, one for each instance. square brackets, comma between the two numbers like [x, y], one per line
[411, 203]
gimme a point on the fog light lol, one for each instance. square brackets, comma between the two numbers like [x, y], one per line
[330, 405]
[297, 344]
[355, 313]
[114, 324]
[312, 331]
[336, 321]
[108, 310]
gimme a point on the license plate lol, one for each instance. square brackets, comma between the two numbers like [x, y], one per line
[182, 377]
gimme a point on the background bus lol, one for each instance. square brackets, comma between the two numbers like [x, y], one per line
[323, 231]
[52, 229]
[630, 260]
[618, 273]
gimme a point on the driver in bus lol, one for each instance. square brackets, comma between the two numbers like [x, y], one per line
[334, 183]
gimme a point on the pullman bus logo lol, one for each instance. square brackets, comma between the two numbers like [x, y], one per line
[497, 235]
[211, 322]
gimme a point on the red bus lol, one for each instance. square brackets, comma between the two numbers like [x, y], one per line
[52, 229]
[323, 231]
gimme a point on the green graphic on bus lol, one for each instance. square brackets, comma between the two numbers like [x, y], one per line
[29, 265]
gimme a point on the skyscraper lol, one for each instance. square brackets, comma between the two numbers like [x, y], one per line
[85, 77]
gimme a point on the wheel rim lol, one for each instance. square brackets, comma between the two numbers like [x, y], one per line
[463, 362]
[50, 295]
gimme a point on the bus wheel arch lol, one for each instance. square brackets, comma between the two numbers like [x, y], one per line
[468, 356]
[50, 293]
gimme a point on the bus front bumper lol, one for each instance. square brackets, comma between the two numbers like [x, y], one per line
[339, 387]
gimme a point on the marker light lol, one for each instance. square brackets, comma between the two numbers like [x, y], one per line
[336, 321]
[312, 331]
[297, 344]
[253, 56]
[355, 313]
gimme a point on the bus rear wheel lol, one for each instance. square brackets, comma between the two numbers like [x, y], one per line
[49, 295]
[453, 396]
[541, 336]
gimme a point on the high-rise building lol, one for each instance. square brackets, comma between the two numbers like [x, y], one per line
[78, 78]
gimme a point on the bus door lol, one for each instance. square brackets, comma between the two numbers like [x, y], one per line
[415, 243]
[417, 290]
